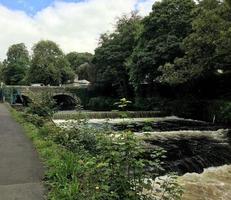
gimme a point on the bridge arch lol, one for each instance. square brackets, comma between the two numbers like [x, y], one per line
[22, 99]
[66, 101]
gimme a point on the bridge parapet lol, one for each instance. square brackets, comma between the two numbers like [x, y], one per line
[13, 91]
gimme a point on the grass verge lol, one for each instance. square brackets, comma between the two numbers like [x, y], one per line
[85, 165]
[51, 154]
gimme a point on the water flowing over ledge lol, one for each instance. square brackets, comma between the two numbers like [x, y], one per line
[213, 184]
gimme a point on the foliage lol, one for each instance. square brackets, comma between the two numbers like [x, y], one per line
[81, 65]
[154, 103]
[85, 164]
[34, 119]
[49, 65]
[87, 71]
[110, 57]
[217, 111]
[180, 48]
[16, 65]
[228, 2]
[123, 103]
[207, 47]
[107, 166]
[1, 71]
[101, 103]
[42, 104]
[77, 59]
[161, 39]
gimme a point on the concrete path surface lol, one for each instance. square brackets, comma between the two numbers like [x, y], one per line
[21, 171]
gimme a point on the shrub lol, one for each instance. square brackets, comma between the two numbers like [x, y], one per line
[110, 164]
[219, 111]
[146, 104]
[79, 138]
[97, 165]
[42, 105]
[187, 108]
[34, 119]
[101, 103]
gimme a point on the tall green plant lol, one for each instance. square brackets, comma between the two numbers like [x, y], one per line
[42, 104]
[123, 104]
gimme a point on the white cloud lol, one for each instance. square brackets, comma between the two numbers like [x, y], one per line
[145, 6]
[74, 26]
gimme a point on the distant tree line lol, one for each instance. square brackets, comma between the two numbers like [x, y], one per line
[180, 47]
[47, 65]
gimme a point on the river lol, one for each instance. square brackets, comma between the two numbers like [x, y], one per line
[213, 184]
[198, 151]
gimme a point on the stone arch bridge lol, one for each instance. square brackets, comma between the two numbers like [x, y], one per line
[64, 96]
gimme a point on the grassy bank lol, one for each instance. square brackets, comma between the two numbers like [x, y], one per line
[50, 153]
[83, 163]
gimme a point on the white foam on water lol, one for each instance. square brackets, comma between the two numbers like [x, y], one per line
[213, 184]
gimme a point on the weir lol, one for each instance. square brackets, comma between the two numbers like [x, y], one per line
[192, 151]
[191, 146]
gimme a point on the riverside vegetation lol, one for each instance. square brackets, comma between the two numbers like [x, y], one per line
[177, 58]
[85, 163]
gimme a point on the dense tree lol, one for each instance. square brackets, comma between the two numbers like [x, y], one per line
[181, 43]
[207, 48]
[49, 65]
[1, 71]
[111, 55]
[76, 59]
[161, 39]
[16, 65]
[228, 2]
[87, 71]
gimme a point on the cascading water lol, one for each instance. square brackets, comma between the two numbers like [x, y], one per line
[198, 151]
[203, 158]
[192, 151]
[213, 184]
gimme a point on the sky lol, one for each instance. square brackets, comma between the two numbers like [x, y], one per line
[74, 24]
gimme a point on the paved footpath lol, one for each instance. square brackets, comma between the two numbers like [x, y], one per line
[21, 171]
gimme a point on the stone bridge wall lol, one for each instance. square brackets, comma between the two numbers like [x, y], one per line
[11, 91]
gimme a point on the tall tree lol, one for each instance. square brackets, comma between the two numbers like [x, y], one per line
[228, 2]
[87, 72]
[161, 39]
[49, 65]
[1, 71]
[16, 64]
[76, 59]
[113, 51]
[207, 47]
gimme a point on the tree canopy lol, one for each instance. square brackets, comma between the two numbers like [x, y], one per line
[76, 59]
[16, 64]
[1, 72]
[180, 44]
[161, 39]
[114, 49]
[49, 65]
[207, 48]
